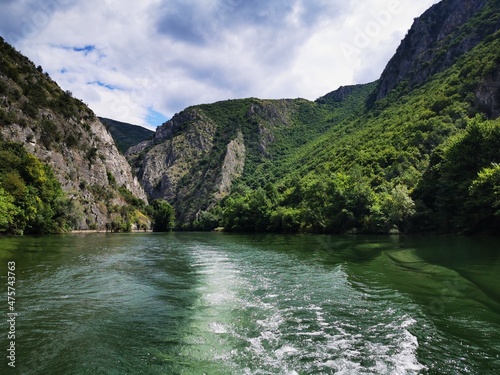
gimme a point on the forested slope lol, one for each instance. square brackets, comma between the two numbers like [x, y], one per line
[372, 158]
[416, 151]
[126, 135]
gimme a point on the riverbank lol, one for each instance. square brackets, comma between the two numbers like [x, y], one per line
[87, 231]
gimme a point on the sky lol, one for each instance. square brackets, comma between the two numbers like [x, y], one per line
[143, 61]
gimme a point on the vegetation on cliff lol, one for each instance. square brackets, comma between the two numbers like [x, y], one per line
[126, 135]
[416, 151]
[31, 198]
[424, 161]
[421, 159]
[88, 184]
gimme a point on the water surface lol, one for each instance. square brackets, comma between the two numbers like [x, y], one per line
[194, 303]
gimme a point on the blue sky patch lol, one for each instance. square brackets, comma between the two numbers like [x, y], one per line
[86, 49]
[102, 84]
[155, 118]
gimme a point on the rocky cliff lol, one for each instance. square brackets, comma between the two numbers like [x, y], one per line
[64, 133]
[195, 158]
[209, 156]
[437, 39]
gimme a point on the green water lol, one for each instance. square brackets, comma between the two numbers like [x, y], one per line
[188, 303]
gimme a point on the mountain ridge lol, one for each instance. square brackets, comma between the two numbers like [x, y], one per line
[381, 157]
[347, 144]
[124, 134]
[65, 134]
[437, 39]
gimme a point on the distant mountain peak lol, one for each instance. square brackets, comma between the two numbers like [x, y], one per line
[126, 135]
[437, 39]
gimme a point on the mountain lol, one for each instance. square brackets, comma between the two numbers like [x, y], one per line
[437, 39]
[380, 157]
[46, 132]
[195, 158]
[126, 135]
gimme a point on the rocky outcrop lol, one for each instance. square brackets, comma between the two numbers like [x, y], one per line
[64, 133]
[271, 116]
[233, 165]
[488, 95]
[170, 155]
[437, 39]
[195, 158]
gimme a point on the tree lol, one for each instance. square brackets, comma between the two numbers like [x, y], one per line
[8, 211]
[484, 201]
[163, 216]
[392, 211]
[32, 188]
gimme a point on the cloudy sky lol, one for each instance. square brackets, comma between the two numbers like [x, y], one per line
[143, 61]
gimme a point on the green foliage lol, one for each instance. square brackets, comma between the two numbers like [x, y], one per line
[163, 216]
[8, 212]
[208, 220]
[31, 198]
[392, 212]
[414, 161]
[250, 212]
[126, 194]
[458, 192]
[126, 135]
[119, 225]
[484, 202]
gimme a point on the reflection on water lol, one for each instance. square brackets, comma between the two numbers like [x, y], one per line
[187, 303]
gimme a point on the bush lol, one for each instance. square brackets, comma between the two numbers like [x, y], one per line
[163, 216]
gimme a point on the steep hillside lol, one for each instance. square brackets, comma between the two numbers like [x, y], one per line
[437, 40]
[66, 135]
[126, 135]
[360, 159]
[195, 158]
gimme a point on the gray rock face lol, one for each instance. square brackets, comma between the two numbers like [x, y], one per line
[79, 174]
[195, 158]
[64, 133]
[488, 96]
[169, 156]
[233, 165]
[435, 41]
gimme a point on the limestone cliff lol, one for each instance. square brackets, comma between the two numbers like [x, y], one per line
[171, 155]
[64, 133]
[195, 158]
[233, 165]
[488, 95]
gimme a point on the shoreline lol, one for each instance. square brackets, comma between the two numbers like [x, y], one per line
[86, 231]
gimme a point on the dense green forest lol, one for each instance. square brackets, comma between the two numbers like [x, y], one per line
[422, 160]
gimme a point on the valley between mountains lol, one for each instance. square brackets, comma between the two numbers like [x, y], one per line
[416, 151]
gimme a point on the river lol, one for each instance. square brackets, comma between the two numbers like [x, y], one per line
[213, 303]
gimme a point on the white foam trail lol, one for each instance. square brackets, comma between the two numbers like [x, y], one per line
[285, 331]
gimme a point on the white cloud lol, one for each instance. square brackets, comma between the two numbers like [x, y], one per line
[164, 55]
